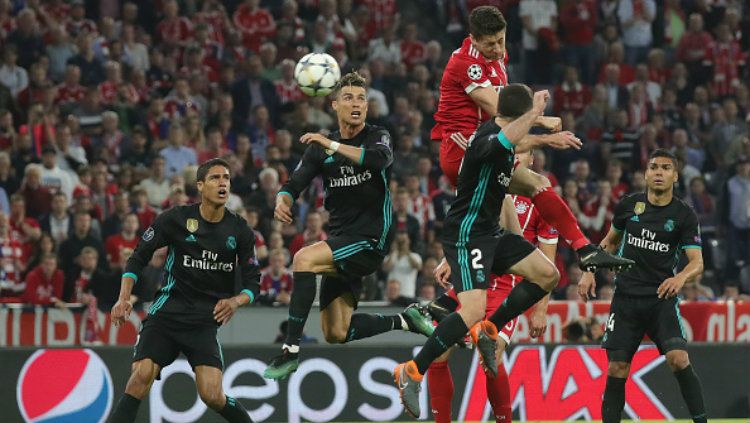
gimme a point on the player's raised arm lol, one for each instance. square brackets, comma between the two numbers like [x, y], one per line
[519, 108]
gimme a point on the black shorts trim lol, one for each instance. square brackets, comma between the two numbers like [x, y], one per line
[631, 318]
[162, 344]
[474, 261]
[355, 256]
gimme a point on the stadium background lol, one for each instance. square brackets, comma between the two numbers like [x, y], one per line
[107, 106]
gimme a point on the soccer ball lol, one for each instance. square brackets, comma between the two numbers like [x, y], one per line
[317, 74]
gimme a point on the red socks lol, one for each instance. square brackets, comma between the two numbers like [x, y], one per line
[440, 385]
[498, 392]
[556, 212]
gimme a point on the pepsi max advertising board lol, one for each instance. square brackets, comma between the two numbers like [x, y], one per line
[353, 383]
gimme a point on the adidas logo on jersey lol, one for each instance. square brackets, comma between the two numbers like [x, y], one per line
[191, 238]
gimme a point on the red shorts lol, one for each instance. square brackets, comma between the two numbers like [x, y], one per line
[451, 155]
[496, 294]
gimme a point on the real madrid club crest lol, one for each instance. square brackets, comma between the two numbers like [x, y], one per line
[669, 225]
[639, 208]
[192, 225]
[231, 242]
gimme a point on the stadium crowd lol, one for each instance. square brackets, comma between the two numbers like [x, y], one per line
[107, 107]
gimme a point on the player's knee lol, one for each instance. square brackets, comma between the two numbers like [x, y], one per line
[677, 360]
[549, 276]
[139, 382]
[618, 369]
[335, 334]
[472, 315]
[302, 262]
[213, 398]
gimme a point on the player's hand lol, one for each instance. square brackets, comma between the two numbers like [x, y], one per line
[587, 287]
[564, 140]
[670, 287]
[120, 312]
[540, 101]
[538, 323]
[550, 123]
[443, 273]
[314, 137]
[283, 210]
[224, 310]
[460, 140]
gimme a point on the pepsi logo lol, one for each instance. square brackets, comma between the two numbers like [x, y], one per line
[58, 386]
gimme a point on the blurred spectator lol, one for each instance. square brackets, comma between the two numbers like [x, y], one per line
[614, 176]
[53, 177]
[276, 282]
[126, 239]
[696, 292]
[402, 264]
[92, 69]
[59, 222]
[570, 95]
[702, 202]
[427, 292]
[82, 237]
[313, 233]
[578, 20]
[156, 185]
[14, 77]
[420, 206]
[620, 141]
[540, 43]
[733, 293]
[693, 49]
[738, 198]
[44, 284]
[253, 91]
[23, 228]
[394, 296]
[403, 220]
[636, 17]
[11, 264]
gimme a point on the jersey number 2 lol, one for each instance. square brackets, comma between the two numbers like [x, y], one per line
[476, 257]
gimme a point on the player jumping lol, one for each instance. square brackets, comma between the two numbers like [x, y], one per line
[652, 228]
[355, 164]
[523, 215]
[468, 96]
[207, 245]
[475, 246]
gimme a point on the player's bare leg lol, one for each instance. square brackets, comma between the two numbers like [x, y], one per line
[142, 376]
[208, 381]
[556, 212]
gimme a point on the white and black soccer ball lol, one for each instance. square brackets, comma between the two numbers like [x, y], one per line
[317, 74]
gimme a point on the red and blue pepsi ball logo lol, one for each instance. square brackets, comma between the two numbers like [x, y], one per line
[57, 386]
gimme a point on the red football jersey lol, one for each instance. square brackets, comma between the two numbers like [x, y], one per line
[535, 230]
[466, 71]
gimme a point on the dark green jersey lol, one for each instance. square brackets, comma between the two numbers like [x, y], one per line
[357, 194]
[483, 180]
[201, 263]
[654, 237]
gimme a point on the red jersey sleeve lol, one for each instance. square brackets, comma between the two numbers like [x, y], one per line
[545, 233]
[469, 73]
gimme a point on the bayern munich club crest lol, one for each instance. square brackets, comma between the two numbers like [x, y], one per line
[57, 386]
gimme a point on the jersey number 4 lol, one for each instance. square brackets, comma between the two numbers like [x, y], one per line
[610, 326]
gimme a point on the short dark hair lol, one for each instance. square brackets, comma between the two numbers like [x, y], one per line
[207, 165]
[486, 20]
[351, 79]
[514, 101]
[660, 152]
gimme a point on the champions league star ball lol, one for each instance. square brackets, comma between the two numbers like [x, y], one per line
[317, 74]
